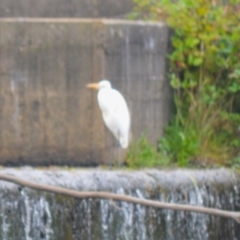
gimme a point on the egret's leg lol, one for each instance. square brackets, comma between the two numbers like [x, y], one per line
[111, 152]
[119, 156]
[111, 158]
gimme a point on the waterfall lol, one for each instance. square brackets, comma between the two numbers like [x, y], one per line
[28, 215]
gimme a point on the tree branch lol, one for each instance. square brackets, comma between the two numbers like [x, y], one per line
[121, 197]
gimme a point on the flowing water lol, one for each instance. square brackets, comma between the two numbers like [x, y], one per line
[28, 215]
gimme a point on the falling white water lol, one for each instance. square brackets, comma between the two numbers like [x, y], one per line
[42, 218]
[26, 218]
[5, 223]
[29, 215]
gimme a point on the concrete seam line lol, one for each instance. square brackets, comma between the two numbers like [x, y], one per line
[120, 197]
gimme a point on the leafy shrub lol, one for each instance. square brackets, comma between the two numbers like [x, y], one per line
[143, 154]
[205, 76]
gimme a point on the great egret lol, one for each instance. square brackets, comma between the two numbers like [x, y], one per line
[114, 111]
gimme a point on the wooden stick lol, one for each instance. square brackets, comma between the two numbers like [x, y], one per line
[121, 197]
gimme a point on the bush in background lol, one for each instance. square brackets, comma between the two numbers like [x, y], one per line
[205, 76]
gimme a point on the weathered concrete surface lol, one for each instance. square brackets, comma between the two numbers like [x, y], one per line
[27, 214]
[65, 8]
[47, 116]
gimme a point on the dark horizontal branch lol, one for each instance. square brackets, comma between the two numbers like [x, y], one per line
[121, 197]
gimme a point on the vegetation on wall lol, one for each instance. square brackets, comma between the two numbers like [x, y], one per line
[143, 154]
[205, 76]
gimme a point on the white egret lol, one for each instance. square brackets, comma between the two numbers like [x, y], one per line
[114, 111]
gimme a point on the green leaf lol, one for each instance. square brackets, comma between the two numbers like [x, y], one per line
[192, 42]
[175, 82]
[197, 61]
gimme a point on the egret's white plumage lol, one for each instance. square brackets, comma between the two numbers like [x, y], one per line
[114, 111]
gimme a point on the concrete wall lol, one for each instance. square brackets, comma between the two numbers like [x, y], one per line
[65, 8]
[47, 116]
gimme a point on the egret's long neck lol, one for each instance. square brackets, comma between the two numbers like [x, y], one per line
[104, 99]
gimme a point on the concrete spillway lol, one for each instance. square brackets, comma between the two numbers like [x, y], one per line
[28, 214]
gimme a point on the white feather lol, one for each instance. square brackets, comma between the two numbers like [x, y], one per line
[115, 112]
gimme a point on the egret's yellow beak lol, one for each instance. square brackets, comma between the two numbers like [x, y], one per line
[93, 85]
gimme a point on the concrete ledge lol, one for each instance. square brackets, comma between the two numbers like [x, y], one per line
[64, 8]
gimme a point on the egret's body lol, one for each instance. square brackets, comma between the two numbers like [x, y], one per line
[114, 111]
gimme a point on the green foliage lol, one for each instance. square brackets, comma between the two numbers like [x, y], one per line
[178, 145]
[236, 163]
[143, 154]
[205, 76]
